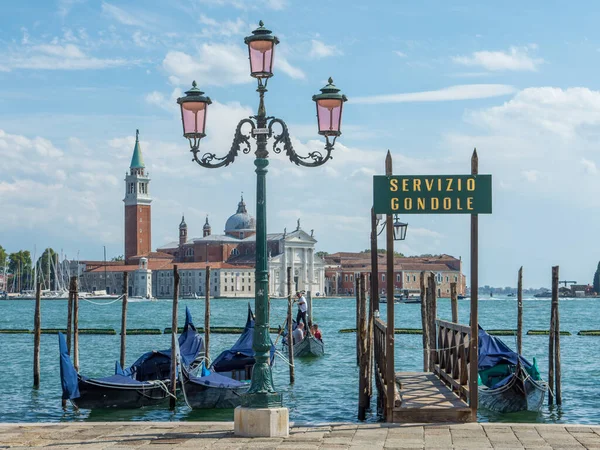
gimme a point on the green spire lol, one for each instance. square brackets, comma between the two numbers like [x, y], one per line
[137, 161]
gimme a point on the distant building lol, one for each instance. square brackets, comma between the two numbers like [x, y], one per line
[342, 269]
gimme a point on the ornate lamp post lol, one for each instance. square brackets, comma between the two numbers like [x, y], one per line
[260, 127]
[399, 227]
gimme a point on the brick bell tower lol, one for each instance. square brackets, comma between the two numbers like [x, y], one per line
[137, 200]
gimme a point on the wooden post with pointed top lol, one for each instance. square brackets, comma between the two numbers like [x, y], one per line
[454, 301]
[431, 317]
[207, 313]
[357, 292]
[124, 318]
[424, 321]
[173, 379]
[520, 312]
[69, 320]
[474, 343]
[37, 334]
[391, 374]
[363, 366]
[290, 338]
[75, 287]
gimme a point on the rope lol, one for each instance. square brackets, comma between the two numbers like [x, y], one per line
[102, 303]
[287, 361]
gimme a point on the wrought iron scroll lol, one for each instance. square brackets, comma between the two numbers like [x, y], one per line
[240, 141]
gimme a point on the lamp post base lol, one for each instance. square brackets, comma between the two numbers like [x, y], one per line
[261, 422]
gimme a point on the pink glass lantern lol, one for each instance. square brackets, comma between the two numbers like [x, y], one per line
[261, 46]
[193, 112]
[329, 109]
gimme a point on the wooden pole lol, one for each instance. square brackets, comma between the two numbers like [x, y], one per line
[558, 368]
[424, 321]
[207, 313]
[37, 334]
[374, 264]
[70, 317]
[357, 292]
[454, 301]
[173, 386]
[309, 304]
[520, 312]
[474, 343]
[290, 339]
[551, 338]
[363, 366]
[431, 317]
[124, 318]
[391, 375]
[75, 282]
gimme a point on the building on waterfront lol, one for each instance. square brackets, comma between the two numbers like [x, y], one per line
[231, 255]
[342, 269]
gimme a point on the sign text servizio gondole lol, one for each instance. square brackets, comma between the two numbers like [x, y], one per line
[432, 194]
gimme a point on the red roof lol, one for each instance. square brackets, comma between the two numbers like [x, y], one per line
[161, 264]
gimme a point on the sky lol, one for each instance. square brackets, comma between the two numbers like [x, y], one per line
[429, 81]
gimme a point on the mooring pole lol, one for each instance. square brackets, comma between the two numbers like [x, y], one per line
[309, 313]
[363, 366]
[454, 301]
[37, 334]
[557, 388]
[391, 374]
[474, 344]
[124, 318]
[357, 292]
[424, 319]
[173, 386]
[520, 312]
[75, 283]
[374, 264]
[432, 315]
[69, 319]
[207, 313]
[290, 339]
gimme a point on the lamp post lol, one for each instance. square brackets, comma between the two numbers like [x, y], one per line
[260, 127]
[399, 227]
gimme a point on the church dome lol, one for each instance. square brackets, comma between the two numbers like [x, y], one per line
[240, 221]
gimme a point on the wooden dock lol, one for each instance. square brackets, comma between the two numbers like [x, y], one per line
[424, 398]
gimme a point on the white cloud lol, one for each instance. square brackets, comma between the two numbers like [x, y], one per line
[459, 92]
[225, 28]
[122, 16]
[589, 166]
[276, 5]
[291, 71]
[321, 50]
[531, 175]
[400, 54]
[516, 58]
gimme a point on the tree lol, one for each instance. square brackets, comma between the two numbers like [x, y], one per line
[322, 254]
[47, 267]
[597, 280]
[383, 251]
[120, 258]
[3, 257]
[19, 264]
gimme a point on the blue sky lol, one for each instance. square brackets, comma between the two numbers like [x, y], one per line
[428, 80]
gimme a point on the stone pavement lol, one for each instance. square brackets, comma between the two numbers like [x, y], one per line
[219, 435]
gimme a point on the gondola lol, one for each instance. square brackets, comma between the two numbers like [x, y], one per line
[310, 346]
[507, 381]
[222, 385]
[145, 383]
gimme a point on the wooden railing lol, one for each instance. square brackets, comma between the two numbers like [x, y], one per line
[452, 356]
[379, 347]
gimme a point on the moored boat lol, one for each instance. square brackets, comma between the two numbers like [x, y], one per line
[309, 346]
[145, 383]
[507, 381]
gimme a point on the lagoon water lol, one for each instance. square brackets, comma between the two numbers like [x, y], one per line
[325, 389]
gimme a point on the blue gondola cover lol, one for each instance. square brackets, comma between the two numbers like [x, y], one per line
[68, 375]
[492, 351]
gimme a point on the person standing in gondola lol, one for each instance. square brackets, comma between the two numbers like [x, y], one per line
[302, 308]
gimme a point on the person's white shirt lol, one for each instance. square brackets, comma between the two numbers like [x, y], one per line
[302, 304]
[297, 335]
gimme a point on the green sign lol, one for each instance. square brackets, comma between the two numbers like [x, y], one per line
[432, 194]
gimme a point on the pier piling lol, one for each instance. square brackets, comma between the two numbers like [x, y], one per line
[557, 365]
[424, 321]
[75, 292]
[69, 320]
[37, 323]
[290, 339]
[431, 315]
[207, 314]
[124, 318]
[357, 295]
[363, 366]
[520, 312]
[173, 385]
[454, 301]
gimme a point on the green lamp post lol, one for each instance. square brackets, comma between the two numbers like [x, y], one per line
[260, 127]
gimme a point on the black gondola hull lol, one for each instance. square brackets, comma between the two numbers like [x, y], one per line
[520, 393]
[309, 346]
[99, 395]
[199, 396]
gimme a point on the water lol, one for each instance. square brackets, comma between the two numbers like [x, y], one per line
[326, 389]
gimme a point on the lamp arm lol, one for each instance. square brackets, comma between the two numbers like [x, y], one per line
[283, 142]
[211, 161]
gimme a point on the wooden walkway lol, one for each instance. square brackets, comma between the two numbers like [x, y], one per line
[426, 399]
